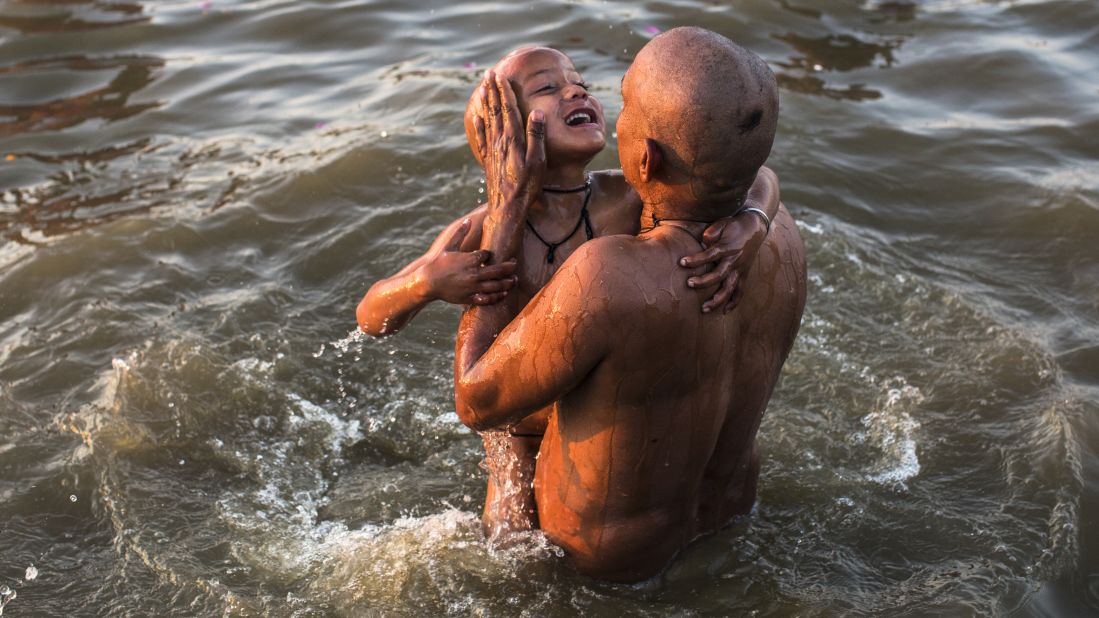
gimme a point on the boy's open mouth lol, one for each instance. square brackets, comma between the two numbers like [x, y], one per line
[582, 117]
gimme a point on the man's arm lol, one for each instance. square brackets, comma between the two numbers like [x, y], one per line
[504, 374]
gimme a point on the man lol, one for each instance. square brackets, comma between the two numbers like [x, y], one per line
[656, 404]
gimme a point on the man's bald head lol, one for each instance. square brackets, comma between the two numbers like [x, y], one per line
[711, 106]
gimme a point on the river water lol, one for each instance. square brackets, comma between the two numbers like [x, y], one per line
[194, 196]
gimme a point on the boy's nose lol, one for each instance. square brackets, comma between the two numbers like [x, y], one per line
[573, 91]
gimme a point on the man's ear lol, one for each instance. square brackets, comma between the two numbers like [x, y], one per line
[652, 159]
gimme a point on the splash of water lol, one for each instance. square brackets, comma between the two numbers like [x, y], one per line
[7, 595]
[893, 430]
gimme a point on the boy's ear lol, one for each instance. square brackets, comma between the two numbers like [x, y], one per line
[652, 159]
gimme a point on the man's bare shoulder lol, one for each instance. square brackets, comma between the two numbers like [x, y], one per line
[609, 250]
[605, 261]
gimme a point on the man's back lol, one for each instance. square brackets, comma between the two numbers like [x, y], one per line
[654, 445]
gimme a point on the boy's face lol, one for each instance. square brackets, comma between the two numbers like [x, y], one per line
[545, 79]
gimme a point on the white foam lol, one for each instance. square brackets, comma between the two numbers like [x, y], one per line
[893, 430]
[340, 431]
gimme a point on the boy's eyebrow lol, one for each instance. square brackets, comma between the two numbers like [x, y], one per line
[536, 73]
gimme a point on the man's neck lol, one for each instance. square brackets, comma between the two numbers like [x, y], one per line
[675, 207]
[652, 213]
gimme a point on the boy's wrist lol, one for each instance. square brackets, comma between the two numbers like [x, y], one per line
[762, 221]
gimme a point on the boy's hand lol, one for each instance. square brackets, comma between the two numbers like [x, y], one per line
[513, 165]
[732, 243]
[461, 278]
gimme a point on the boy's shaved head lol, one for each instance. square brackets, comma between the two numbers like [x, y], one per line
[473, 107]
[711, 105]
[530, 70]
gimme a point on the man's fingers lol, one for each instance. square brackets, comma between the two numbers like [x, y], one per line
[706, 256]
[510, 107]
[536, 147]
[485, 111]
[486, 115]
[713, 277]
[493, 109]
[479, 134]
[496, 271]
[454, 242]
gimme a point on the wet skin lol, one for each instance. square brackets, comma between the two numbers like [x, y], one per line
[656, 404]
[545, 80]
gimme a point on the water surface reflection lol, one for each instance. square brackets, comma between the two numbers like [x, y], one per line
[44, 16]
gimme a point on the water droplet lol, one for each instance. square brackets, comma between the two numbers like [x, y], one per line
[72, 498]
[31, 574]
[385, 133]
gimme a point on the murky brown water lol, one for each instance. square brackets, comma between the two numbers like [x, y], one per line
[193, 196]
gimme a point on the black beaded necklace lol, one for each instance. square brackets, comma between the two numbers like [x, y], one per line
[551, 247]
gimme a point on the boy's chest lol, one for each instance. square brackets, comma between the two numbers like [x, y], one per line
[541, 257]
[540, 261]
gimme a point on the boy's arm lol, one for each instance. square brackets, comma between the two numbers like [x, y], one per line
[445, 272]
[733, 242]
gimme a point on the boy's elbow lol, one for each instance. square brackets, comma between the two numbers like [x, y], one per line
[366, 325]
